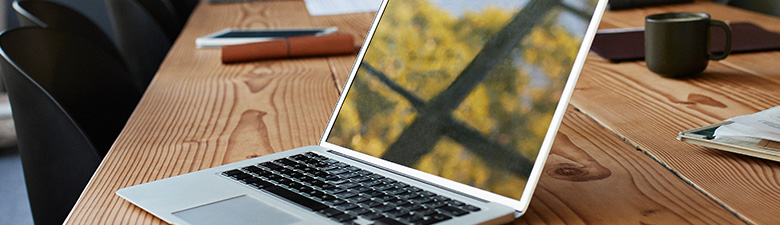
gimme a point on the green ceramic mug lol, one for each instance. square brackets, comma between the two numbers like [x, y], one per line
[678, 44]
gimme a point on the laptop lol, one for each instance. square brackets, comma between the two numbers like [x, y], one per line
[447, 118]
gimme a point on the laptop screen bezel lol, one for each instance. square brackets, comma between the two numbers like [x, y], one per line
[519, 205]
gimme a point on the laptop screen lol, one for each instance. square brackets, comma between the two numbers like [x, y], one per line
[463, 89]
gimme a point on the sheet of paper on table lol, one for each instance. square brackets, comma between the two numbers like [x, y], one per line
[761, 125]
[334, 7]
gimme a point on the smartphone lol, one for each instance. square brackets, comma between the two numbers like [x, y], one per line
[235, 37]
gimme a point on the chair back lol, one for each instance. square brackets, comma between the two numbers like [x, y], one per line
[70, 99]
[184, 8]
[53, 15]
[140, 39]
[163, 12]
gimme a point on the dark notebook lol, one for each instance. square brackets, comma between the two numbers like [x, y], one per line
[627, 45]
[630, 4]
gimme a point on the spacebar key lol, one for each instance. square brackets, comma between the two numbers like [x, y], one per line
[297, 198]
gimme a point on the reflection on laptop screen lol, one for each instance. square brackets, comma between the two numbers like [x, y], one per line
[463, 89]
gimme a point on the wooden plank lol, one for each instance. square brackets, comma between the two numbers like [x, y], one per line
[648, 111]
[594, 177]
[198, 113]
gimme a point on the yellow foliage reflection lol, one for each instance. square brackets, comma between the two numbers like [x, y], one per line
[418, 100]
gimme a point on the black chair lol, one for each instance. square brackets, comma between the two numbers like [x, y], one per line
[163, 12]
[52, 15]
[140, 39]
[70, 99]
[184, 8]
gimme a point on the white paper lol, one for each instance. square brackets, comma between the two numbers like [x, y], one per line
[763, 125]
[334, 7]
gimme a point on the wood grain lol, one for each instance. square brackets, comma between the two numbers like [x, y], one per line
[593, 177]
[648, 111]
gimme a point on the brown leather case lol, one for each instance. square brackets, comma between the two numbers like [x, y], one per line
[334, 44]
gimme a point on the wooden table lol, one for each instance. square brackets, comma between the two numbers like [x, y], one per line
[617, 162]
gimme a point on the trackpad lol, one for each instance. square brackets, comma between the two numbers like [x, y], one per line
[239, 210]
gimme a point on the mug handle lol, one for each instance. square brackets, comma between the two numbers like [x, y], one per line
[726, 28]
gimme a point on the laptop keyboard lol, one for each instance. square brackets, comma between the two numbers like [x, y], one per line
[345, 193]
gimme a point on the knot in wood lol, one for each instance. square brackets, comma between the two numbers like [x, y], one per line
[571, 172]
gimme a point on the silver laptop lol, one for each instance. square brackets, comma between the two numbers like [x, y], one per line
[447, 118]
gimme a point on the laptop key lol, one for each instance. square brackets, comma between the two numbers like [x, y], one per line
[409, 218]
[347, 206]
[395, 191]
[352, 169]
[398, 202]
[361, 189]
[385, 208]
[335, 190]
[237, 174]
[440, 217]
[444, 199]
[414, 207]
[421, 200]
[297, 198]
[348, 175]
[373, 193]
[376, 176]
[383, 187]
[425, 212]
[334, 201]
[454, 203]
[408, 195]
[261, 184]
[372, 216]
[253, 169]
[359, 211]
[398, 213]
[284, 181]
[337, 171]
[346, 195]
[384, 197]
[371, 183]
[301, 157]
[270, 165]
[307, 179]
[330, 212]
[359, 199]
[262, 173]
[388, 221]
[344, 218]
[453, 211]
[432, 219]
[349, 185]
[318, 183]
[360, 179]
[470, 208]
[232, 172]
[388, 180]
[434, 204]
[371, 203]
[286, 162]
